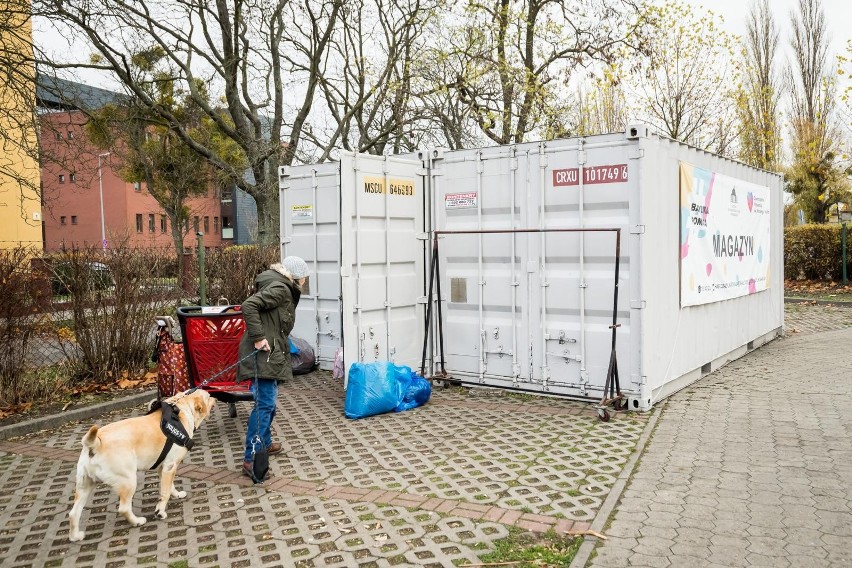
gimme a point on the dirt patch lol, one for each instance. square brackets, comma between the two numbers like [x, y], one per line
[14, 415]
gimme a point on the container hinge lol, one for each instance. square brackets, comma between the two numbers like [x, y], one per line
[581, 157]
[513, 164]
[283, 186]
[637, 230]
[583, 285]
[422, 299]
[635, 154]
[422, 236]
[637, 304]
[283, 171]
[542, 161]
[422, 172]
[286, 240]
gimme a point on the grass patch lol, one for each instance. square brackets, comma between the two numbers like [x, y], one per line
[531, 551]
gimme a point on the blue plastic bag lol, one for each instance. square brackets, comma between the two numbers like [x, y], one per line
[375, 388]
[417, 394]
[293, 349]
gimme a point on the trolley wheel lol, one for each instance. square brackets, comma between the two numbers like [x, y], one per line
[232, 410]
[603, 414]
[620, 404]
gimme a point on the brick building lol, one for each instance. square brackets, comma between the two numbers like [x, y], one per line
[84, 197]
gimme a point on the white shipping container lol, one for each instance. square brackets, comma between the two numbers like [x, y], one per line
[533, 310]
[359, 223]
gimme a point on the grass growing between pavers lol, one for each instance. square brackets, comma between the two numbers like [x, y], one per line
[527, 550]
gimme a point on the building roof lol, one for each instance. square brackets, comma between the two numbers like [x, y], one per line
[62, 94]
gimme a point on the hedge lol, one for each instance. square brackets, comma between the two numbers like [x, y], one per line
[814, 252]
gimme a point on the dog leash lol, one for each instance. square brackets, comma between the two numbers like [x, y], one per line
[169, 409]
[207, 381]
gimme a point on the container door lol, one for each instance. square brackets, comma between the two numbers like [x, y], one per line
[310, 228]
[382, 264]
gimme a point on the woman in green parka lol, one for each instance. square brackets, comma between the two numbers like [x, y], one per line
[270, 314]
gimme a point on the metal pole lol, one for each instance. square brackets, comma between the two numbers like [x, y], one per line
[843, 240]
[202, 277]
[101, 195]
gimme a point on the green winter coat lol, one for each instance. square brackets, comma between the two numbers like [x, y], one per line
[269, 313]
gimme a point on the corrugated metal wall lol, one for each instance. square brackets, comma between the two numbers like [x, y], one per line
[530, 311]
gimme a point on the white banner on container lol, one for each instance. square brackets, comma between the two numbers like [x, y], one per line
[724, 237]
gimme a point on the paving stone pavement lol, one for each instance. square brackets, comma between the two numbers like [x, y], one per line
[810, 318]
[435, 486]
[749, 467]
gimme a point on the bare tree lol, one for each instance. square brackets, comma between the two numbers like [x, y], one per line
[684, 88]
[230, 50]
[603, 105]
[367, 81]
[515, 57]
[816, 177]
[758, 100]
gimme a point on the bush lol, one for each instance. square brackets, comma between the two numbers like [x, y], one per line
[113, 319]
[814, 252]
[231, 271]
[20, 321]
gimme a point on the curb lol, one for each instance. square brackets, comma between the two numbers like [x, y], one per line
[606, 510]
[82, 413]
[839, 304]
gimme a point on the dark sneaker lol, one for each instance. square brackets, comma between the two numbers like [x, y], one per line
[247, 469]
[274, 448]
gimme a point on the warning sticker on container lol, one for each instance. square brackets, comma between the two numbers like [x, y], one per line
[460, 200]
[302, 211]
[374, 185]
[616, 173]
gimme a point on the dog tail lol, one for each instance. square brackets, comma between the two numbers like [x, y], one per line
[91, 440]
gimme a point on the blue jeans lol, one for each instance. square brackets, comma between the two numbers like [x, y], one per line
[260, 420]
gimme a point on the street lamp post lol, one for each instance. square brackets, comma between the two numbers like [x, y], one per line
[101, 193]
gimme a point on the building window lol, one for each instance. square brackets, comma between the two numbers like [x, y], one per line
[58, 135]
[70, 135]
[139, 222]
[216, 225]
[195, 224]
[206, 224]
[151, 223]
[62, 220]
[186, 225]
[61, 178]
[137, 186]
[73, 219]
[162, 223]
[73, 178]
[227, 195]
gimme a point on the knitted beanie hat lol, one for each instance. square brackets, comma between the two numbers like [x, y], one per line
[296, 266]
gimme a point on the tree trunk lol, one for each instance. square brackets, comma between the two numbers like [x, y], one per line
[267, 217]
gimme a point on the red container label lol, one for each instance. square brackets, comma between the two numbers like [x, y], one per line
[616, 173]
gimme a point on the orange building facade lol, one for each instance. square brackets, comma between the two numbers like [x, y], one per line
[85, 202]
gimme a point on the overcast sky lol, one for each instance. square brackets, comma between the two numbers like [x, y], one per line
[838, 15]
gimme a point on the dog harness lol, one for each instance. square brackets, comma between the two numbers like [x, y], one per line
[171, 426]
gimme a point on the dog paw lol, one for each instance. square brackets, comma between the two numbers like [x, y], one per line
[180, 494]
[76, 536]
[161, 513]
[139, 521]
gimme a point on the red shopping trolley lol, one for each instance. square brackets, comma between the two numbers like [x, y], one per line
[210, 345]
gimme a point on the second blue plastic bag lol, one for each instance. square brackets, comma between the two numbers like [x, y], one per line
[375, 388]
[417, 394]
